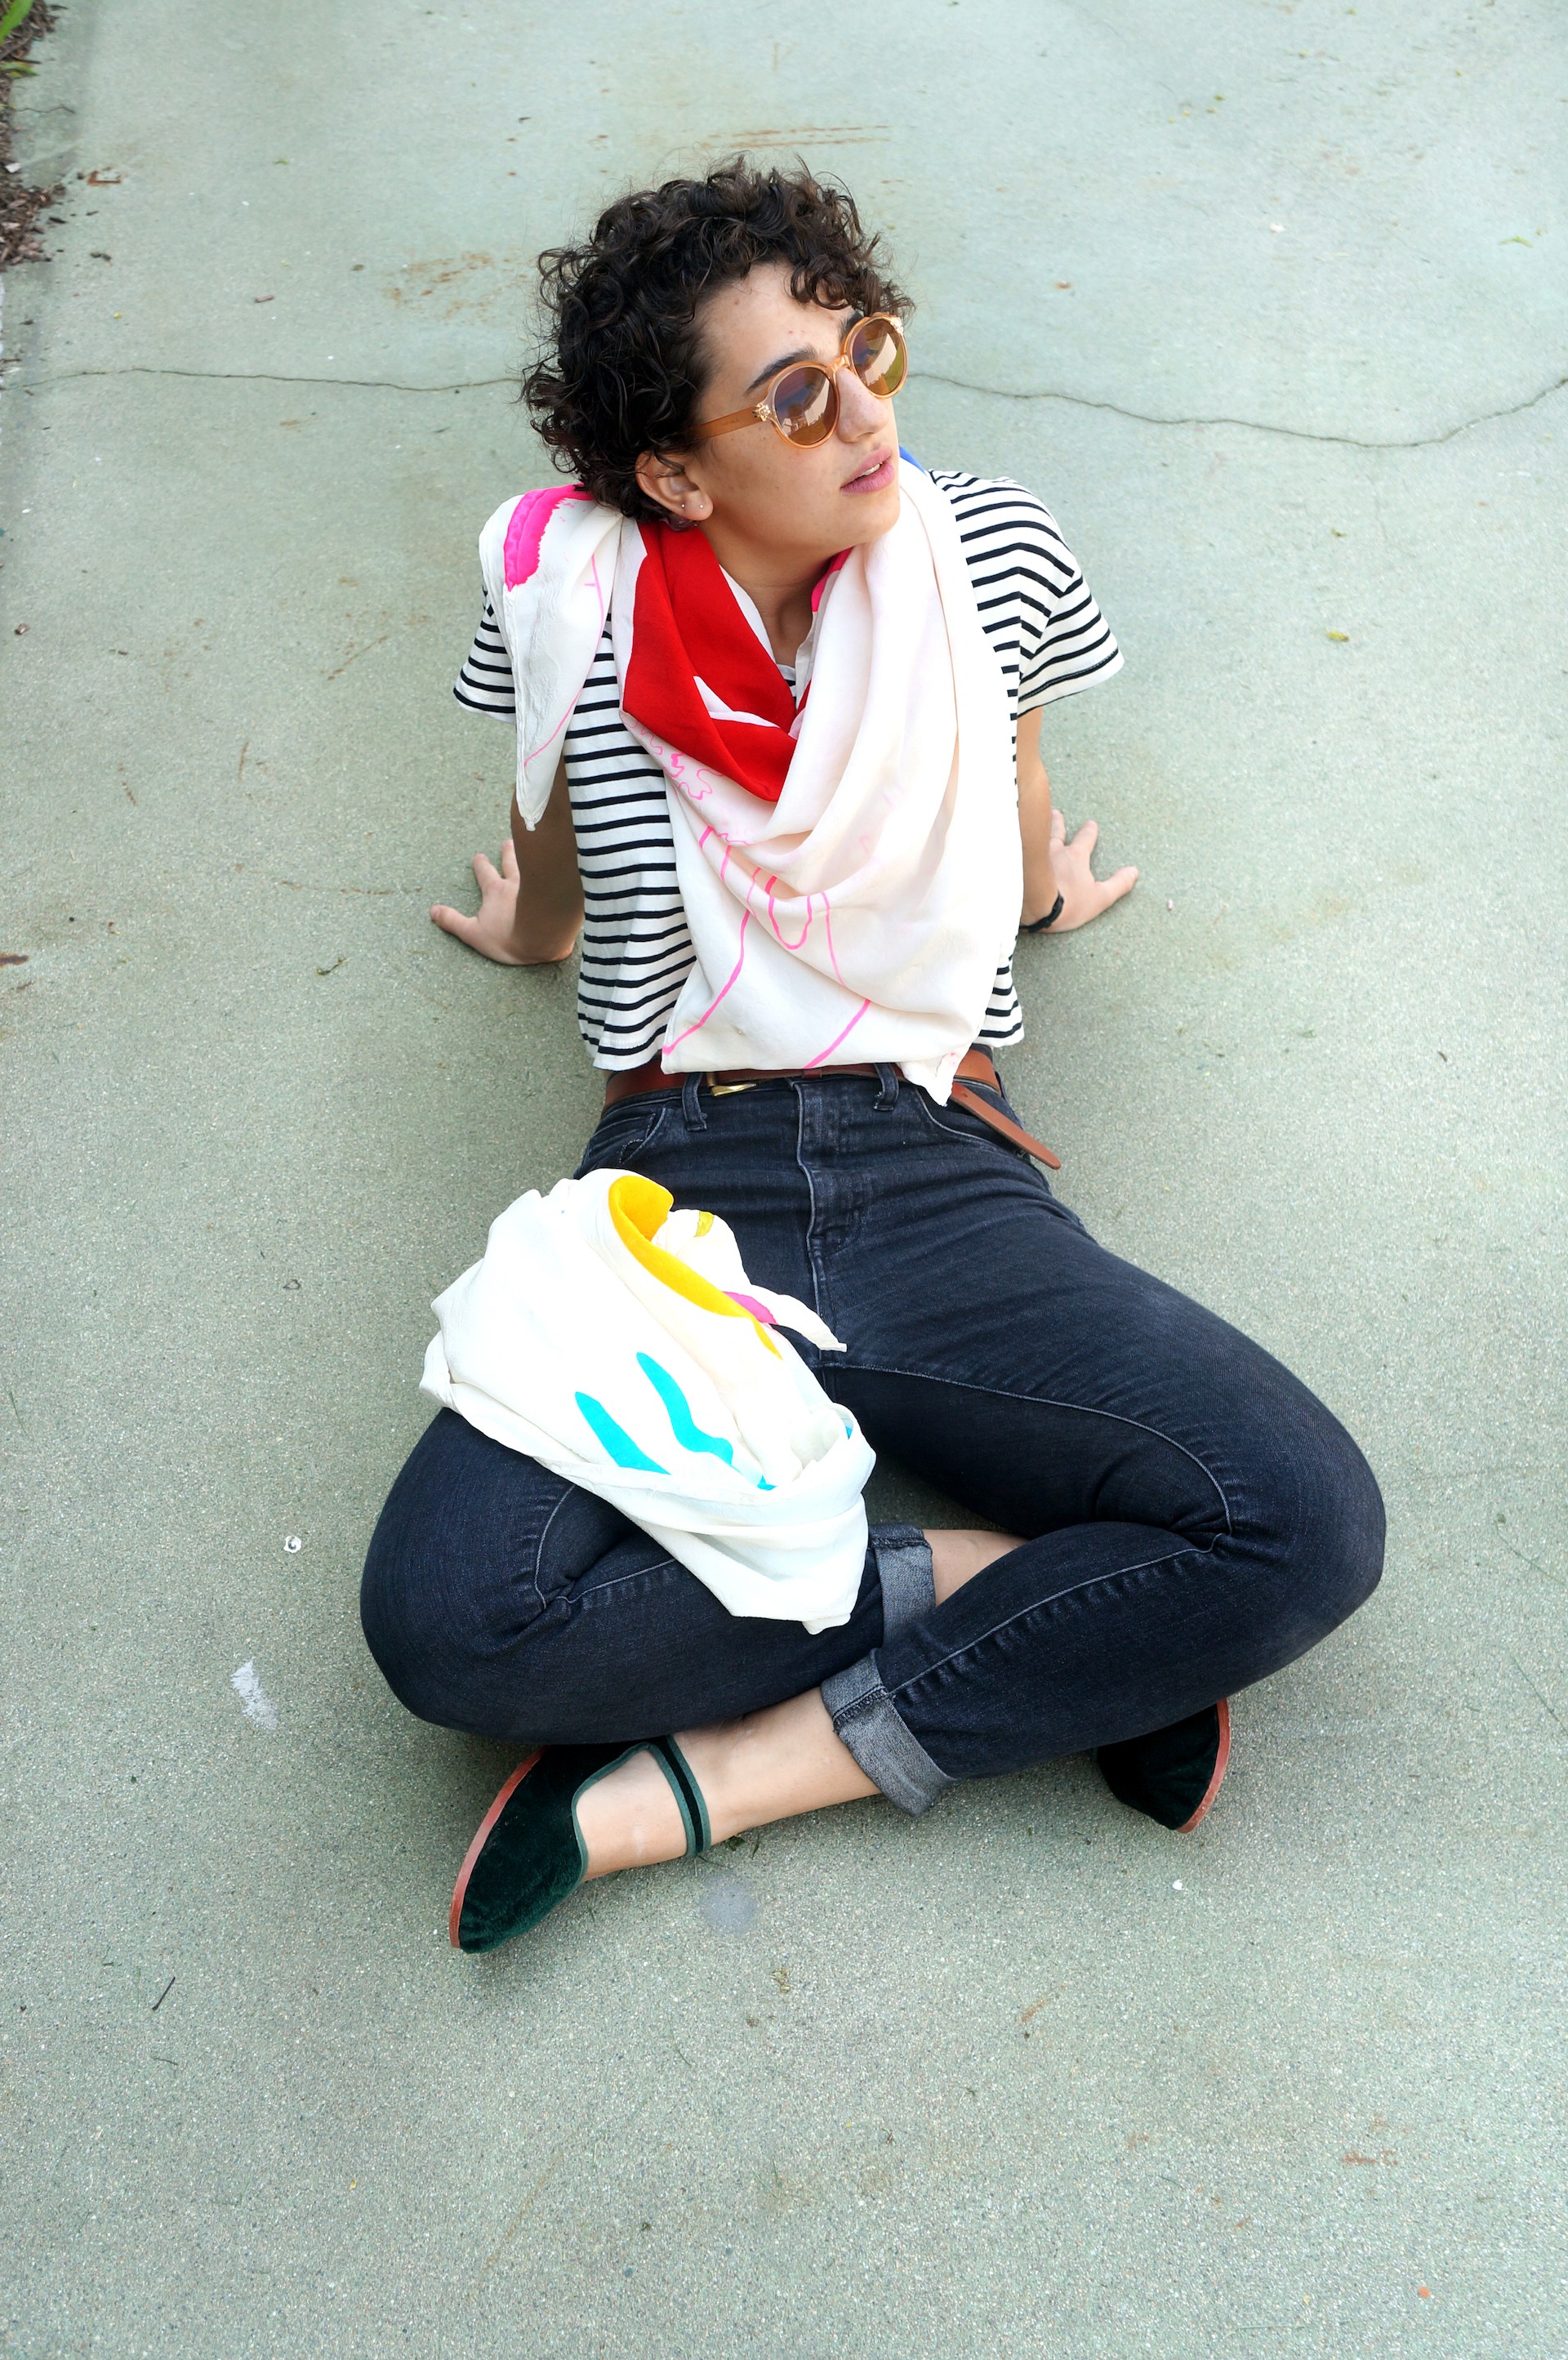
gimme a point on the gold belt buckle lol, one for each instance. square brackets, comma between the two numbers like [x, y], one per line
[726, 1089]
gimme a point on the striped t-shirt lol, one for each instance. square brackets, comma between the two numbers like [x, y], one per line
[1038, 615]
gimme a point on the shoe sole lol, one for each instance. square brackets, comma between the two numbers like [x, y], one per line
[1222, 1760]
[459, 1890]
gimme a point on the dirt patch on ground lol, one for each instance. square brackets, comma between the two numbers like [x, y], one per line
[20, 205]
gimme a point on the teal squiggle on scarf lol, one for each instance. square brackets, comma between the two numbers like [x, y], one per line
[687, 1433]
[615, 1438]
[678, 1409]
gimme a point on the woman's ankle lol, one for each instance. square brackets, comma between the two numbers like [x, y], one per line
[958, 1555]
[630, 1819]
[773, 1765]
[767, 1765]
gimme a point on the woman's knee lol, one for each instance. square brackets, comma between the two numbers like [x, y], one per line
[475, 1546]
[404, 1609]
[450, 1572]
[1325, 1519]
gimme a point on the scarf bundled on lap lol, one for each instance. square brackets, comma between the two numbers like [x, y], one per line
[622, 1345]
[851, 869]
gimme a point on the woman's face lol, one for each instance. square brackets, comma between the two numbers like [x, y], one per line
[750, 486]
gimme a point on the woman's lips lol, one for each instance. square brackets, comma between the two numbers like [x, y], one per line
[873, 479]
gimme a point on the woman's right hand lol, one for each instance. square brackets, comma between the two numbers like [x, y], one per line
[504, 929]
[494, 931]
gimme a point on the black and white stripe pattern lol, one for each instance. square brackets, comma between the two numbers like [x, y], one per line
[1049, 635]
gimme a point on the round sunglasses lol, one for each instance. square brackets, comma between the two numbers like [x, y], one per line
[802, 402]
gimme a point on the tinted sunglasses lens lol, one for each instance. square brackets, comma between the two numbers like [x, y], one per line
[878, 356]
[805, 405]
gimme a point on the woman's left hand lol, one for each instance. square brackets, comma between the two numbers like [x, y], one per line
[1083, 895]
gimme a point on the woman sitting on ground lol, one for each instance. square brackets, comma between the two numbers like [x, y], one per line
[782, 808]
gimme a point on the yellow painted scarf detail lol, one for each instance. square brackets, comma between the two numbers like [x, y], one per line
[637, 1208]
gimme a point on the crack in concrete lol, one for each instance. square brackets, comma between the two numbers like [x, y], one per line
[1255, 425]
[267, 376]
[928, 377]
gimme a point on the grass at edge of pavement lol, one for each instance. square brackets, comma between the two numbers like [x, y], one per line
[21, 203]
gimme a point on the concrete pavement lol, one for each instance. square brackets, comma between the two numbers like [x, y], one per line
[1267, 301]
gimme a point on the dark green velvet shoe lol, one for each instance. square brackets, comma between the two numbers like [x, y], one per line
[528, 1853]
[1172, 1774]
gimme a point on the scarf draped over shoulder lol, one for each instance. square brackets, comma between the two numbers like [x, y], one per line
[850, 865]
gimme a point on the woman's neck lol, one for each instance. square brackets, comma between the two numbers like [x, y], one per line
[778, 586]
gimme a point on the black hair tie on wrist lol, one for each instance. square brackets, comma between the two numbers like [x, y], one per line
[1040, 924]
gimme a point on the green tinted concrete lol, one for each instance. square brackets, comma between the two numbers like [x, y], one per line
[995, 2083]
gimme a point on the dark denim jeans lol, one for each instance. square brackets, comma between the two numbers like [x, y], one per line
[1193, 1517]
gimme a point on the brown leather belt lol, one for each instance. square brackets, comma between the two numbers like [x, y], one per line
[976, 1065]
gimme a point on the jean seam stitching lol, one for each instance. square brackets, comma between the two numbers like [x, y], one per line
[545, 1603]
[600, 1588]
[967, 1137]
[1109, 1573]
[638, 1140]
[1053, 1401]
[540, 1543]
[803, 1162]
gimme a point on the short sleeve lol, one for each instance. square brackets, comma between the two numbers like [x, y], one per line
[1064, 641]
[486, 684]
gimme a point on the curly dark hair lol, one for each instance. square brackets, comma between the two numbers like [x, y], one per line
[624, 364]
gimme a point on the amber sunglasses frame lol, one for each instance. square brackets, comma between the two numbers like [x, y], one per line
[761, 411]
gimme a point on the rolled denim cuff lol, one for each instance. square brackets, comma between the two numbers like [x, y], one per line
[905, 1570]
[867, 1721]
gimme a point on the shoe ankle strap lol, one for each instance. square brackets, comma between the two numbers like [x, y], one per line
[687, 1792]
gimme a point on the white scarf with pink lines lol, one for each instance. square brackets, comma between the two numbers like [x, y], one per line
[862, 917]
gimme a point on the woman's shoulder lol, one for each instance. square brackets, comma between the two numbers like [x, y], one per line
[996, 513]
[1030, 594]
[961, 485]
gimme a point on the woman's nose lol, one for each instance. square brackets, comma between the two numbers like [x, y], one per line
[859, 411]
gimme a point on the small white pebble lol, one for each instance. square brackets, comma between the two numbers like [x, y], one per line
[1169, 906]
[293, 1543]
[1177, 1887]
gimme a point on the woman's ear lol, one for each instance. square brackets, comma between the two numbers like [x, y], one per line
[665, 481]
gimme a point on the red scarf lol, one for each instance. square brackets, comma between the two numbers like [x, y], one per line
[687, 625]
